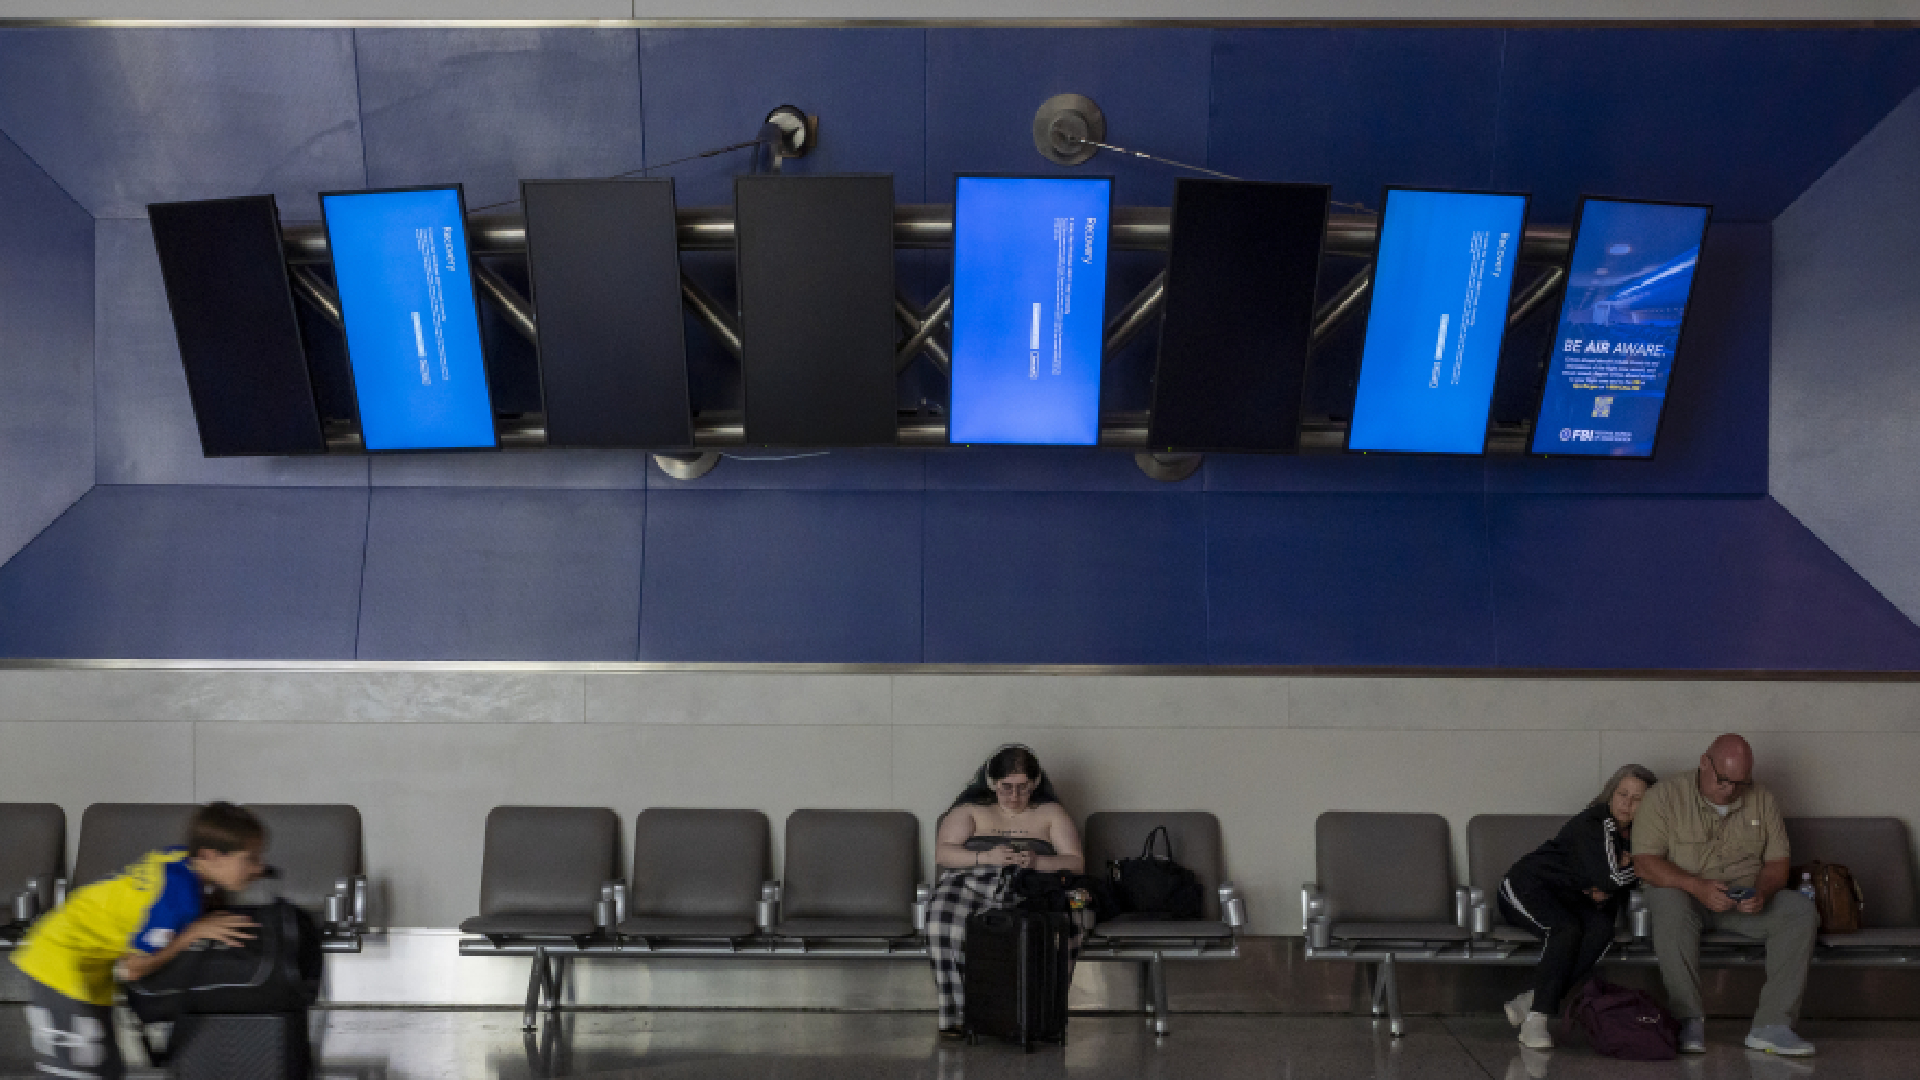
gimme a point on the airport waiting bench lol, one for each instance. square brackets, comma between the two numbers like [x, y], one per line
[1385, 895]
[314, 849]
[701, 886]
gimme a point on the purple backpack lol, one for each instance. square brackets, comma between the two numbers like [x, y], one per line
[1623, 1023]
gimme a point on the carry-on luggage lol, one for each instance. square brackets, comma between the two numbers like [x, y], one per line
[1017, 975]
[257, 1046]
[277, 970]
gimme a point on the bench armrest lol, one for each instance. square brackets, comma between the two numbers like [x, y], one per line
[922, 896]
[59, 891]
[611, 909]
[1639, 917]
[1471, 912]
[1233, 909]
[1316, 920]
[767, 911]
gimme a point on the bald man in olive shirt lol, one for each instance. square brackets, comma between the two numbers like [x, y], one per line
[1697, 835]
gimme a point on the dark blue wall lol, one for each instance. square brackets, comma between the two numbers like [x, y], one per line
[1031, 556]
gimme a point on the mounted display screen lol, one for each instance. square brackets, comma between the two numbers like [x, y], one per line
[815, 264]
[1241, 272]
[605, 266]
[1441, 282]
[413, 330]
[1620, 321]
[1029, 299]
[234, 318]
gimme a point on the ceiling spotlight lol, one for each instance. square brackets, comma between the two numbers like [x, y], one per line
[1066, 127]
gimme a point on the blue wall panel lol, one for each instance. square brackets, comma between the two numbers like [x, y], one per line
[1682, 583]
[155, 571]
[1069, 578]
[502, 574]
[1713, 438]
[1348, 579]
[1035, 469]
[742, 469]
[1744, 119]
[785, 577]
[46, 350]
[489, 108]
[122, 118]
[1358, 109]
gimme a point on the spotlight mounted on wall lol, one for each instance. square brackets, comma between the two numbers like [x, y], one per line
[1066, 128]
[788, 133]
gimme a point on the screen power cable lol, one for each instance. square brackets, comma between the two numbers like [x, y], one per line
[1075, 139]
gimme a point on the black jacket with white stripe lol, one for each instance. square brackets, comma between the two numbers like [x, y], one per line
[1585, 855]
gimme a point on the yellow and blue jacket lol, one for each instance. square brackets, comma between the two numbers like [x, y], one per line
[73, 949]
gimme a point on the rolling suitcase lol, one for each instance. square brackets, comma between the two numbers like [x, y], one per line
[1017, 976]
[253, 1046]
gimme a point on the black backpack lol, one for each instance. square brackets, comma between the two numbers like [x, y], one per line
[276, 971]
[1155, 885]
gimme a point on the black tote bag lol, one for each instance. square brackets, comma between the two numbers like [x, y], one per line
[1155, 885]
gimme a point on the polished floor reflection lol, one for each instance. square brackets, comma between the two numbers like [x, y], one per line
[743, 1045]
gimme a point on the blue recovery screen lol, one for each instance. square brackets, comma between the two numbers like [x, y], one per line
[1440, 290]
[1029, 302]
[413, 334]
[1627, 292]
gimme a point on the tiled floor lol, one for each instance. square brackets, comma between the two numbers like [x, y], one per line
[741, 1045]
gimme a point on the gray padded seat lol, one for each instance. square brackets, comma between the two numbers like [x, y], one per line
[542, 871]
[697, 873]
[33, 844]
[1875, 851]
[1386, 877]
[1195, 838]
[313, 846]
[114, 835]
[849, 874]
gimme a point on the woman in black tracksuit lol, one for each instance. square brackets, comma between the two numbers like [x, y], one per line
[1568, 893]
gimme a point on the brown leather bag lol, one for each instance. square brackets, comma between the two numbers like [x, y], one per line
[1835, 893]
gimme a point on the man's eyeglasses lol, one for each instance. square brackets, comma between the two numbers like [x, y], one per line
[1736, 785]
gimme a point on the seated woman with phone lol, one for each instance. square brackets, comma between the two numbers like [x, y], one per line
[1007, 820]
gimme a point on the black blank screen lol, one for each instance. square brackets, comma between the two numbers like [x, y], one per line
[1238, 320]
[605, 268]
[816, 309]
[239, 337]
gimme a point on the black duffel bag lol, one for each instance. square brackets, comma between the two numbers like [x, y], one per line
[1048, 891]
[1154, 885]
[275, 971]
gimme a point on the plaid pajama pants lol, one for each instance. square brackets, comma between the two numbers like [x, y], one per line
[958, 894]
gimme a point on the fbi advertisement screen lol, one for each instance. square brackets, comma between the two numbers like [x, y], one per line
[1441, 283]
[413, 333]
[1627, 291]
[1029, 300]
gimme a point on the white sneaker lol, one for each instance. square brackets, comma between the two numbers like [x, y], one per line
[1778, 1039]
[1519, 1007]
[1534, 1034]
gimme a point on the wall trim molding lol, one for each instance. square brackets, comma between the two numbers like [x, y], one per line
[589, 667]
[1037, 23]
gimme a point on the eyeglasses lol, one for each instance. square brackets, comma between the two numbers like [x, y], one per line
[1736, 785]
[1005, 788]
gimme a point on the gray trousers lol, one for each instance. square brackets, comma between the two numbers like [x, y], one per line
[1787, 926]
[72, 1039]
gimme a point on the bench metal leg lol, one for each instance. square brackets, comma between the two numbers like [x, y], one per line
[1387, 986]
[537, 980]
[1146, 990]
[1157, 981]
[557, 981]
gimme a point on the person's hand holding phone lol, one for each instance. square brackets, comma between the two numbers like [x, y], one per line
[1713, 896]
